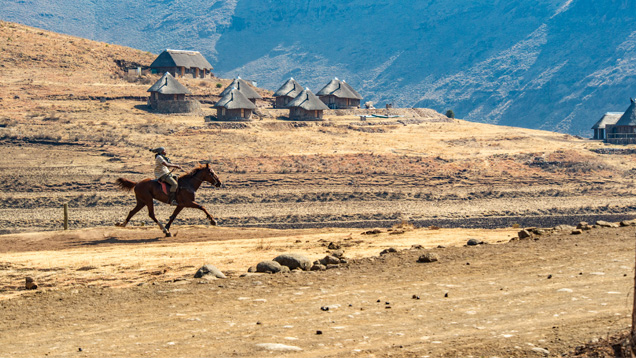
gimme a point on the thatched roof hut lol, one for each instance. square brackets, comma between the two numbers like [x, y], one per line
[624, 131]
[167, 95]
[234, 106]
[339, 95]
[182, 63]
[609, 118]
[306, 106]
[244, 88]
[287, 92]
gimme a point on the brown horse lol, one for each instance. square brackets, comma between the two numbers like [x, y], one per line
[147, 190]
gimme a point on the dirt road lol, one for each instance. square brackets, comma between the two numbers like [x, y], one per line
[116, 296]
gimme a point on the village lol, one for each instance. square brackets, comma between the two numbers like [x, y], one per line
[239, 100]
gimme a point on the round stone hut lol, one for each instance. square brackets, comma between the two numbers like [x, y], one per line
[287, 92]
[339, 94]
[306, 107]
[169, 96]
[234, 106]
[244, 88]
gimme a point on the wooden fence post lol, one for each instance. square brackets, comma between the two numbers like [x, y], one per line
[65, 216]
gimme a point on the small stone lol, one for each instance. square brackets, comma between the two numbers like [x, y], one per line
[416, 297]
[333, 246]
[446, 294]
[206, 270]
[549, 277]
[428, 257]
[324, 308]
[474, 242]
[318, 332]
[386, 251]
[577, 232]
[30, 284]
[524, 234]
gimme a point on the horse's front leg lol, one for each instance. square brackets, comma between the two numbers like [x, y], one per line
[176, 212]
[200, 207]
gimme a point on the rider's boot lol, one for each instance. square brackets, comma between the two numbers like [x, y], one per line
[172, 199]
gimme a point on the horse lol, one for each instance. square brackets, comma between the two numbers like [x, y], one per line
[147, 190]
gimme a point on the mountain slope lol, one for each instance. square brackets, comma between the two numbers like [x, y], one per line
[550, 64]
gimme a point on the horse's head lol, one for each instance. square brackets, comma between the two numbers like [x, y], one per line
[210, 176]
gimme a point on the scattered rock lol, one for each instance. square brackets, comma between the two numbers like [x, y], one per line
[628, 223]
[318, 267]
[372, 232]
[417, 247]
[294, 261]
[343, 261]
[333, 246]
[386, 251]
[564, 228]
[524, 234]
[337, 253]
[269, 267]
[474, 242]
[30, 284]
[332, 266]
[252, 269]
[319, 332]
[602, 223]
[416, 297]
[428, 257]
[577, 232]
[541, 350]
[330, 260]
[278, 347]
[209, 270]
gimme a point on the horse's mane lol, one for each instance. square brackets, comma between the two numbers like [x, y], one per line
[193, 172]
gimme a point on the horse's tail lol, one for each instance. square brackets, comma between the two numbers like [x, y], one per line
[125, 184]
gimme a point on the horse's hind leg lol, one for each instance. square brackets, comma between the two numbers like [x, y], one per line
[132, 213]
[151, 213]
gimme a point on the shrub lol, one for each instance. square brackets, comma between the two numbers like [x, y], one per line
[218, 85]
[450, 113]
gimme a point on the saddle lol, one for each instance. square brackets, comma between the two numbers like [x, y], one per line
[165, 187]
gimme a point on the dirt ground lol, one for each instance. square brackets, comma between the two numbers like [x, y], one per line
[128, 292]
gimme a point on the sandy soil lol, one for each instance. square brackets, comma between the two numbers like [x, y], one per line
[116, 292]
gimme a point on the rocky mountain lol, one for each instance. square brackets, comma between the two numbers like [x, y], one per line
[548, 64]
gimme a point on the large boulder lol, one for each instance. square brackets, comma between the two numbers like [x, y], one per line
[209, 270]
[294, 261]
[524, 234]
[428, 257]
[269, 267]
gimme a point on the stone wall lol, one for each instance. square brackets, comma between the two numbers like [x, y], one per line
[193, 106]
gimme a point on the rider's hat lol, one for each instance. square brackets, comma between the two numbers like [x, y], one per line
[158, 150]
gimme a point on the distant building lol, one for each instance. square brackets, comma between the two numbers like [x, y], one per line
[306, 107]
[339, 95]
[167, 95]
[599, 127]
[180, 63]
[624, 131]
[287, 92]
[242, 85]
[234, 106]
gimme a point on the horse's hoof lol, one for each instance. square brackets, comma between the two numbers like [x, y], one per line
[213, 223]
[119, 224]
[168, 234]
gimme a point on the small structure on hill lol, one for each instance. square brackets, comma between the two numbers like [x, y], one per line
[624, 131]
[180, 63]
[339, 95]
[306, 107]
[169, 96]
[234, 106]
[599, 127]
[242, 85]
[287, 92]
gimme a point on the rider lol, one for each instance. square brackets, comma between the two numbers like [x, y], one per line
[162, 163]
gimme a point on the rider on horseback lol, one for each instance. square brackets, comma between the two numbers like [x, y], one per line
[162, 163]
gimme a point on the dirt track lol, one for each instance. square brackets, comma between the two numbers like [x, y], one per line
[521, 298]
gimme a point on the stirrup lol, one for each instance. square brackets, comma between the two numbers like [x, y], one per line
[174, 203]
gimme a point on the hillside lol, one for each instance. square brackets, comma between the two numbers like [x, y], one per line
[68, 134]
[552, 64]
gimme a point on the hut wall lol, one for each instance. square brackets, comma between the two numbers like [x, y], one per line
[170, 106]
[334, 102]
[223, 114]
[620, 134]
[182, 72]
[282, 101]
[299, 114]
